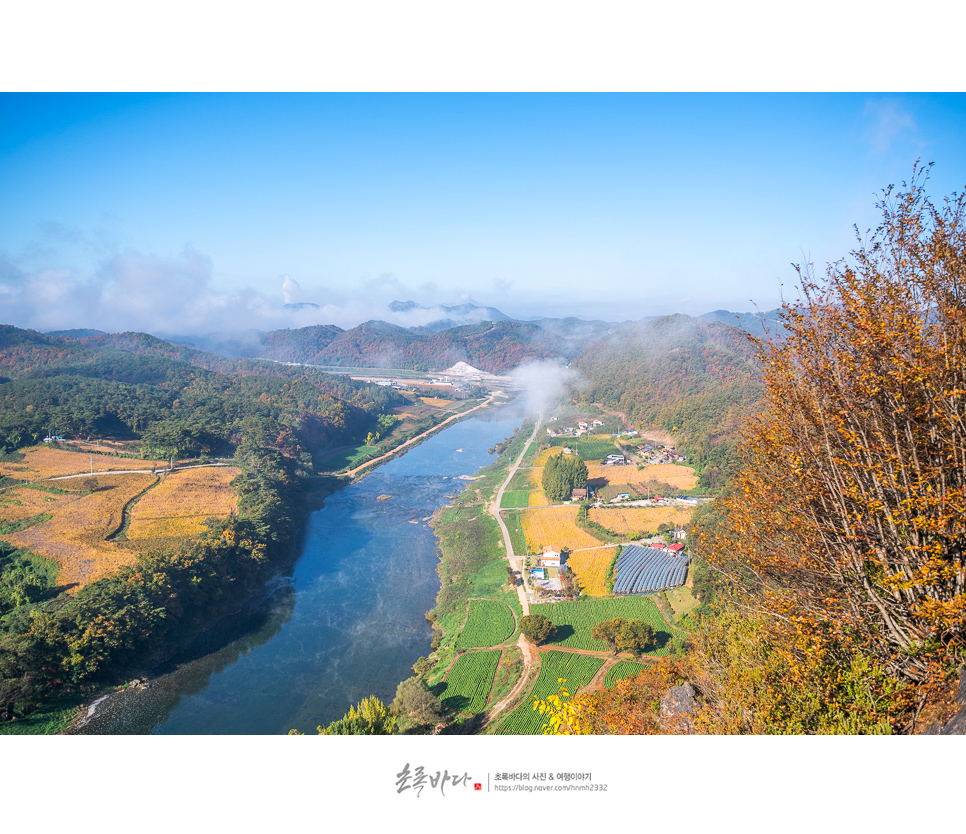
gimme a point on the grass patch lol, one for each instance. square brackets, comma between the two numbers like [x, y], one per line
[50, 719]
[682, 602]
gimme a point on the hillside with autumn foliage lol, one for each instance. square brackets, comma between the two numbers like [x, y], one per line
[697, 380]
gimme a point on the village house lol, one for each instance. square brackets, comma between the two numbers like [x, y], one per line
[550, 558]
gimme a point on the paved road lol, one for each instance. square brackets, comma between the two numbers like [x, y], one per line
[515, 564]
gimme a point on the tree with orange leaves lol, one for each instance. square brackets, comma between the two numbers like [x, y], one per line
[847, 525]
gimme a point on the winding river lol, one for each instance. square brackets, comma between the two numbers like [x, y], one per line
[349, 622]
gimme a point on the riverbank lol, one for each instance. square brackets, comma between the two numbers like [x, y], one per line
[313, 491]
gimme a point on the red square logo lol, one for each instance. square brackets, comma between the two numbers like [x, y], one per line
[477, 786]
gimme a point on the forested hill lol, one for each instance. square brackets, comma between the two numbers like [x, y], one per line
[132, 385]
[696, 379]
[496, 347]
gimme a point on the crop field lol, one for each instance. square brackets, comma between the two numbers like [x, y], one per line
[590, 569]
[576, 669]
[514, 499]
[574, 620]
[517, 539]
[556, 526]
[178, 506]
[489, 624]
[624, 520]
[673, 474]
[517, 492]
[74, 538]
[468, 684]
[23, 502]
[436, 402]
[589, 447]
[44, 462]
[620, 670]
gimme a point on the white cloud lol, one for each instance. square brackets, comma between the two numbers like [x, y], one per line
[887, 123]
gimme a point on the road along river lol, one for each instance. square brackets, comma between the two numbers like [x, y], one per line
[348, 623]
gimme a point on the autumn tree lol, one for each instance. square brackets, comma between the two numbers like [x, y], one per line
[848, 521]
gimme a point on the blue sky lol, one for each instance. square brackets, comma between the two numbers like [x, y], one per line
[172, 213]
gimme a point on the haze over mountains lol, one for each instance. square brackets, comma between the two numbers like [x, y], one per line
[480, 335]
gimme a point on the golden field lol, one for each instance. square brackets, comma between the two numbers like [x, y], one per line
[74, 538]
[673, 474]
[554, 526]
[436, 402]
[23, 502]
[589, 567]
[45, 462]
[538, 497]
[179, 505]
[639, 519]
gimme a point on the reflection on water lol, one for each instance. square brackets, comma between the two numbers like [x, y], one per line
[350, 624]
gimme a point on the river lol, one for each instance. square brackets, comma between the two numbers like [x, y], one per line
[349, 622]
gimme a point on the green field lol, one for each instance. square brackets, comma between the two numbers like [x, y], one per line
[577, 669]
[589, 448]
[574, 620]
[348, 459]
[517, 539]
[515, 499]
[620, 670]
[489, 624]
[682, 601]
[468, 683]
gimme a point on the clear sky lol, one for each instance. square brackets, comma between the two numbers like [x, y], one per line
[187, 212]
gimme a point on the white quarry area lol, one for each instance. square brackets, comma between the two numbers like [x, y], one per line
[462, 369]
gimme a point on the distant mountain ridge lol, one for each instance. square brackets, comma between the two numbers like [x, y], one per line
[485, 337]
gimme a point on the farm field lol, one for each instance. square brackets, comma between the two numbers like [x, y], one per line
[589, 447]
[556, 526]
[590, 569]
[577, 669]
[620, 670]
[435, 402]
[514, 499]
[23, 502]
[468, 684]
[45, 462]
[624, 520]
[74, 537]
[178, 506]
[489, 624]
[517, 539]
[574, 620]
[673, 474]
